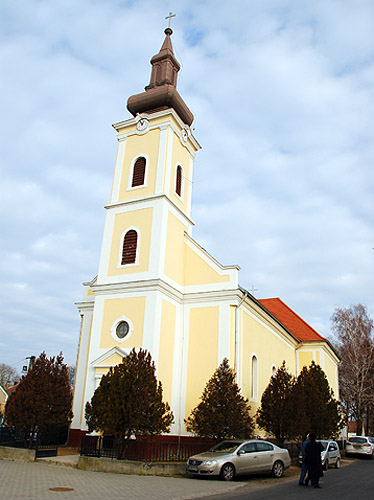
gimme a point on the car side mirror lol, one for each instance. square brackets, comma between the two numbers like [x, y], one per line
[241, 452]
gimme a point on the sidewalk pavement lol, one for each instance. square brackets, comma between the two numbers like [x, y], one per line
[34, 480]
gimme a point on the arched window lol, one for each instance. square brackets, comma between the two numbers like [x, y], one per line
[129, 247]
[273, 370]
[138, 172]
[178, 181]
[254, 380]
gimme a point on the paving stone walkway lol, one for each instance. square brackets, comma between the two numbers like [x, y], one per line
[34, 480]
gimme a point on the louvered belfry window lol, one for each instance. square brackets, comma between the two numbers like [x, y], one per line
[129, 247]
[139, 172]
[178, 182]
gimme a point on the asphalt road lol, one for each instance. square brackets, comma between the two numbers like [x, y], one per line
[354, 481]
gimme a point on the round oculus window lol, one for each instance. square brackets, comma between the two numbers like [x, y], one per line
[122, 329]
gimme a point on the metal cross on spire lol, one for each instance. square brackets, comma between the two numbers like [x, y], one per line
[253, 290]
[169, 17]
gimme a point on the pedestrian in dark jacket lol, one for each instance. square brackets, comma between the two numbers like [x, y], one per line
[313, 460]
[304, 467]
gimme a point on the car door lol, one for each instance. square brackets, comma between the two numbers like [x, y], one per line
[247, 460]
[333, 453]
[265, 454]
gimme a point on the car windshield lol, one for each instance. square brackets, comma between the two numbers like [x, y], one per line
[371, 439]
[225, 447]
[357, 440]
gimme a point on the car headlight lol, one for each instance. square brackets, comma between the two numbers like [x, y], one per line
[210, 462]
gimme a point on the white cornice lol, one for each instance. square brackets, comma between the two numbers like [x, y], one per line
[139, 286]
[150, 198]
[131, 122]
[86, 305]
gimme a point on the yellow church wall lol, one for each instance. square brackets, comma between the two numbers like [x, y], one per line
[174, 254]
[306, 357]
[133, 308]
[270, 351]
[166, 349]
[180, 156]
[142, 220]
[199, 272]
[202, 352]
[329, 367]
[138, 145]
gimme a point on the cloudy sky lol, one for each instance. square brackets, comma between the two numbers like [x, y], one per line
[282, 93]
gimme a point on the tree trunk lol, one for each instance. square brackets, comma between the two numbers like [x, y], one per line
[359, 426]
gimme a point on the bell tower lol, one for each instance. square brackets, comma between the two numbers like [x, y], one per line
[152, 181]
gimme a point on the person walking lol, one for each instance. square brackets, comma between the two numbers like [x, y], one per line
[313, 460]
[303, 463]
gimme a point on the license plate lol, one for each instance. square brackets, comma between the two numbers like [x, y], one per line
[192, 469]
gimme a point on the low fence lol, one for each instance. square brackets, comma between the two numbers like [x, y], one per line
[144, 451]
[293, 448]
[44, 444]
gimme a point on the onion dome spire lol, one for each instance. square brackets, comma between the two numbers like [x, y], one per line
[161, 93]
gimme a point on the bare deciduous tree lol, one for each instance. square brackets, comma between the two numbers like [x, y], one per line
[353, 329]
[8, 375]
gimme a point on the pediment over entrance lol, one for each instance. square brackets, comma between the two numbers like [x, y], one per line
[110, 358]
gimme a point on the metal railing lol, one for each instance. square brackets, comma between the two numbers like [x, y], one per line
[45, 444]
[143, 451]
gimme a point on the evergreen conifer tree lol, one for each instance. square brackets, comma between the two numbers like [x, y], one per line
[129, 400]
[223, 412]
[43, 398]
[276, 413]
[316, 408]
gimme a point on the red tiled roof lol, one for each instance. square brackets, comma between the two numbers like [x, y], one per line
[291, 320]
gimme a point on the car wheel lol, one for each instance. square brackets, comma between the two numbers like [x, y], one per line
[278, 469]
[227, 472]
[337, 463]
[325, 465]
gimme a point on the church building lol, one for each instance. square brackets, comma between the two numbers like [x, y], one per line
[159, 290]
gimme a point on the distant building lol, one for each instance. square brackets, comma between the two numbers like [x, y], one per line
[3, 399]
[158, 289]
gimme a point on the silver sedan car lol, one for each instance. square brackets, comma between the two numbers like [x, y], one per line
[231, 458]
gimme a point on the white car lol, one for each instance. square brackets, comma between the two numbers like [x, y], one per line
[360, 445]
[231, 458]
[330, 456]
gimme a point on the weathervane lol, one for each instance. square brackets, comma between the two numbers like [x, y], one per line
[169, 17]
